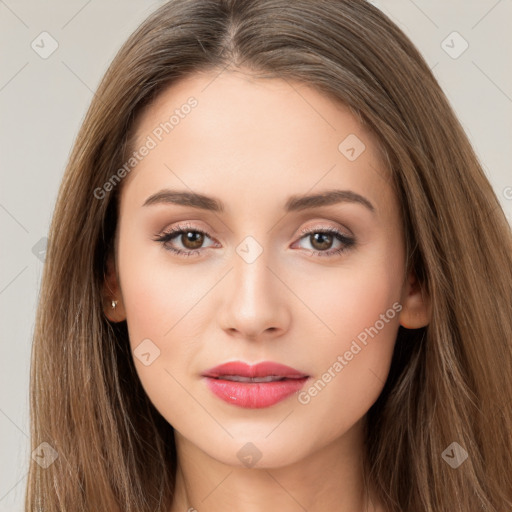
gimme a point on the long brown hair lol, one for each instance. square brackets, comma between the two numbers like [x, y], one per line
[450, 382]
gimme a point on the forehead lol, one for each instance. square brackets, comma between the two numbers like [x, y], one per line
[250, 104]
[232, 129]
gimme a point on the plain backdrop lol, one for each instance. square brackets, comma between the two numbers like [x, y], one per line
[43, 101]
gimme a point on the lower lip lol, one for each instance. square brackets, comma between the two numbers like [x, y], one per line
[254, 395]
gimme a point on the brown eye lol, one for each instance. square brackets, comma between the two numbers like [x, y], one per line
[192, 239]
[184, 241]
[321, 241]
[326, 241]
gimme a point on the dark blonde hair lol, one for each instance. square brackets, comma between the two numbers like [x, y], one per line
[449, 382]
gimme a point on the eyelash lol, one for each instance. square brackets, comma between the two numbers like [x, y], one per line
[166, 237]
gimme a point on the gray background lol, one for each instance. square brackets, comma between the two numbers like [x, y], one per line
[43, 101]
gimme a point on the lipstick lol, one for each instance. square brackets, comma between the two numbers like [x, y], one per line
[253, 386]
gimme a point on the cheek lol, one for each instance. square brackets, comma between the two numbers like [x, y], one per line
[156, 294]
[362, 313]
[352, 296]
[159, 302]
[157, 299]
[350, 371]
[361, 305]
[166, 304]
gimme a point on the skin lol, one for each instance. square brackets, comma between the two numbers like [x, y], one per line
[252, 143]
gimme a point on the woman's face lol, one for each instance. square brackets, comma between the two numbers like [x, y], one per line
[261, 272]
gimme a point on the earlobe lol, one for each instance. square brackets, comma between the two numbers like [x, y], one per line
[113, 306]
[415, 305]
[114, 310]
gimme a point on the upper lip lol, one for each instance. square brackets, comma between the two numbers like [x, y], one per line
[264, 369]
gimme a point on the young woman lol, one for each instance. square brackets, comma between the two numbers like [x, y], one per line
[277, 279]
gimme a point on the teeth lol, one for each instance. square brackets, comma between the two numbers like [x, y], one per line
[238, 378]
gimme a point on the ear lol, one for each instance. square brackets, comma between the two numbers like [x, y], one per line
[112, 292]
[416, 310]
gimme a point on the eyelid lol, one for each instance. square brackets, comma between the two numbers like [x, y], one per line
[180, 229]
[313, 228]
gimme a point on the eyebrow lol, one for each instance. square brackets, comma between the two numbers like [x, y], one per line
[294, 203]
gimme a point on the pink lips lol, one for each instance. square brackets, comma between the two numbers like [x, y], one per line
[256, 386]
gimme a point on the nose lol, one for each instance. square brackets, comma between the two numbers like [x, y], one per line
[254, 300]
